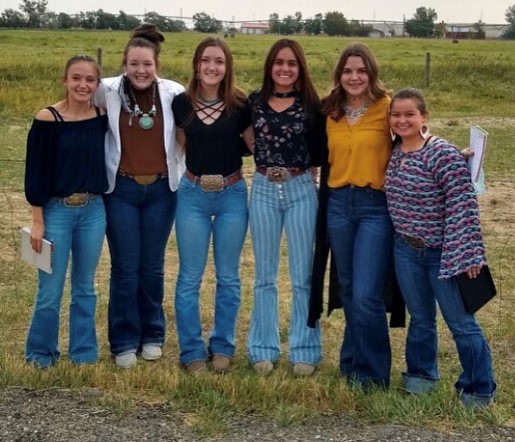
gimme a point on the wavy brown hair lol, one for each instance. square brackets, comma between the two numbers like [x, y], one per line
[332, 104]
[306, 89]
[232, 95]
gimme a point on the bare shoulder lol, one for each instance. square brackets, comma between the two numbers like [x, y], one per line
[45, 115]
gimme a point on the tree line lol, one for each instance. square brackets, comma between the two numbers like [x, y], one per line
[34, 14]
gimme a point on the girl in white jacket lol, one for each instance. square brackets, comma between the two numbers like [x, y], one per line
[143, 167]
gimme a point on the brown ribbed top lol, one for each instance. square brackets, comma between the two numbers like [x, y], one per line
[143, 151]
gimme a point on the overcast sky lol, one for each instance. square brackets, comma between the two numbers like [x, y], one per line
[456, 11]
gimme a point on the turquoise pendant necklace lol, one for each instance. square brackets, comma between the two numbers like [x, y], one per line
[146, 119]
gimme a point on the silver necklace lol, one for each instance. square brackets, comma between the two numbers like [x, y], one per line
[146, 119]
[354, 114]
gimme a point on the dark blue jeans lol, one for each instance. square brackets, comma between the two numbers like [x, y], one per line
[139, 221]
[417, 273]
[361, 235]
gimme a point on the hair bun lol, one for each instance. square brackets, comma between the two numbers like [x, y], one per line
[149, 32]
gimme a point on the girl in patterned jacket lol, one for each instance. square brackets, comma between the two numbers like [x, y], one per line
[434, 210]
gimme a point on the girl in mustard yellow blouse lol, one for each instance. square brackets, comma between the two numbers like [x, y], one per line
[358, 225]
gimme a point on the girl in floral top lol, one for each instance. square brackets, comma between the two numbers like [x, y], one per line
[288, 136]
[434, 210]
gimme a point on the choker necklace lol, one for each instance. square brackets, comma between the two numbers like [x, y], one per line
[284, 94]
[146, 119]
[209, 101]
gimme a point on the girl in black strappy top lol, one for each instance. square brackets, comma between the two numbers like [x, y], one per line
[212, 201]
[65, 176]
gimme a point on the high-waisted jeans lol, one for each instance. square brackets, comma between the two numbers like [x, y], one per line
[361, 235]
[139, 221]
[79, 231]
[202, 216]
[291, 206]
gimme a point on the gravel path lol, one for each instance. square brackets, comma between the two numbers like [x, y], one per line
[57, 415]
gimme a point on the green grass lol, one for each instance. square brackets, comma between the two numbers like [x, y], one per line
[471, 83]
[471, 78]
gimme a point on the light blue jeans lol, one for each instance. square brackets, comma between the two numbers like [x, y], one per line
[79, 231]
[417, 273]
[201, 216]
[291, 206]
[361, 236]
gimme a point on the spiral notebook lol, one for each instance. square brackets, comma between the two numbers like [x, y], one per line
[41, 260]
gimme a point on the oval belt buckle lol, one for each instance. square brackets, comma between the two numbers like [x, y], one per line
[145, 180]
[76, 200]
[212, 183]
[277, 174]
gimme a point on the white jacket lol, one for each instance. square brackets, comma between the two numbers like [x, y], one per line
[108, 97]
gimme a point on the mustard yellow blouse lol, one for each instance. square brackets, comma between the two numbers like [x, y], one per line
[359, 153]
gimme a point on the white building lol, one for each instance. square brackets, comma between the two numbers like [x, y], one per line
[256, 28]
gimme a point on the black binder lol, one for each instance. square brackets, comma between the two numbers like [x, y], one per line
[476, 292]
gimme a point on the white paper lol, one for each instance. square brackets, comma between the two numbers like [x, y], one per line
[478, 139]
[41, 260]
[479, 185]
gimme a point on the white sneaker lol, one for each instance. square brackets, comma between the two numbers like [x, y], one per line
[151, 352]
[127, 360]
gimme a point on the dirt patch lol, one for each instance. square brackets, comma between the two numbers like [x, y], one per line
[64, 416]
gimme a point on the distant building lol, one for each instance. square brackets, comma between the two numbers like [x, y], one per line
[460, 31]
[256, 28]
[375, 33]
[385, 28]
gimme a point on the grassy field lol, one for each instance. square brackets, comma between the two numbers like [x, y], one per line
[471, 83]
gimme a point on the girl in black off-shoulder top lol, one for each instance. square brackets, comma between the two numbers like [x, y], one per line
[64, 180]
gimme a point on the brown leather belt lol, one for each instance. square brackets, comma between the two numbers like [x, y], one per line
[214, 183]
[79, 199]
[417, 243]
[277, 174]
[144, 179]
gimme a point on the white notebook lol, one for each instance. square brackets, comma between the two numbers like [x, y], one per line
[41, 260]
[478, 141]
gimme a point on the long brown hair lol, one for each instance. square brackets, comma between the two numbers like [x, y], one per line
[232, 95]
[305, 87]
[332, 104]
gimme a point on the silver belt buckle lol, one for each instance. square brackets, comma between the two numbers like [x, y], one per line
[76, 200]
[277, 174]
[212, 183]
